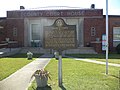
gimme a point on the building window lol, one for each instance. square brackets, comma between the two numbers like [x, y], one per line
[93, 31]
[14, 31]
[35, 32]
[35, 35]
[116, 36]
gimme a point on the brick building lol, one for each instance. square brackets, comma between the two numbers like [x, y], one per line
[26, 26]
[2, 29]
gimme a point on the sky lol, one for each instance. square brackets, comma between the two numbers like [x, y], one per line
[7, 5]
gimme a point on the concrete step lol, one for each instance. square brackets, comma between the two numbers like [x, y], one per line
[9, 51]
[80, 50]
[35, 50]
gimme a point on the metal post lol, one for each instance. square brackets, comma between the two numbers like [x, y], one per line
[106, 37]
[119, 78]
[60, 69]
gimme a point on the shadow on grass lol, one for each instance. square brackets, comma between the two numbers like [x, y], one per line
[62, 87]
[43, 88]
[115, 76]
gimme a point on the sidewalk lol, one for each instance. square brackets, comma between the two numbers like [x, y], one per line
[93, 61]
[97, 62]
[21, 78]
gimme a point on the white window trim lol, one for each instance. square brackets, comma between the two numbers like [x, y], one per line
[116, 40]
[113, 36]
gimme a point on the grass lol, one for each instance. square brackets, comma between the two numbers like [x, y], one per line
[79, 75]
[113, 58]
[9, 65]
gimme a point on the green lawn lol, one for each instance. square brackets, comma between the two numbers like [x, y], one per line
[9, 65]
[79, 75]
[113, 58]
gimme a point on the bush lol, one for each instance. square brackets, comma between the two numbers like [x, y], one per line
[118, 48]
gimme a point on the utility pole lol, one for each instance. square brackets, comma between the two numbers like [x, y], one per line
[107, 37]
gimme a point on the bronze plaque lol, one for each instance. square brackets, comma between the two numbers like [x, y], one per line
[60, 36]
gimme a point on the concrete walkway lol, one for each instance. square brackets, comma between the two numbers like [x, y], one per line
[97, 62]
[93, 61]
[20, 80]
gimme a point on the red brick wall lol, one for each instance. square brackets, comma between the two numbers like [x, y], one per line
[99, 24]
[19, 24]
[89, 21]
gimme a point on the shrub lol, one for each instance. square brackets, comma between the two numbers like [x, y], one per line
[118, 48]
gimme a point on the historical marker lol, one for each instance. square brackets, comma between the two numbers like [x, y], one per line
[60, 36]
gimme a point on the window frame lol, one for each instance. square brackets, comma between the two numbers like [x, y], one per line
[15, 31]
[93, 31]
[116, 41]
[31, 32]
